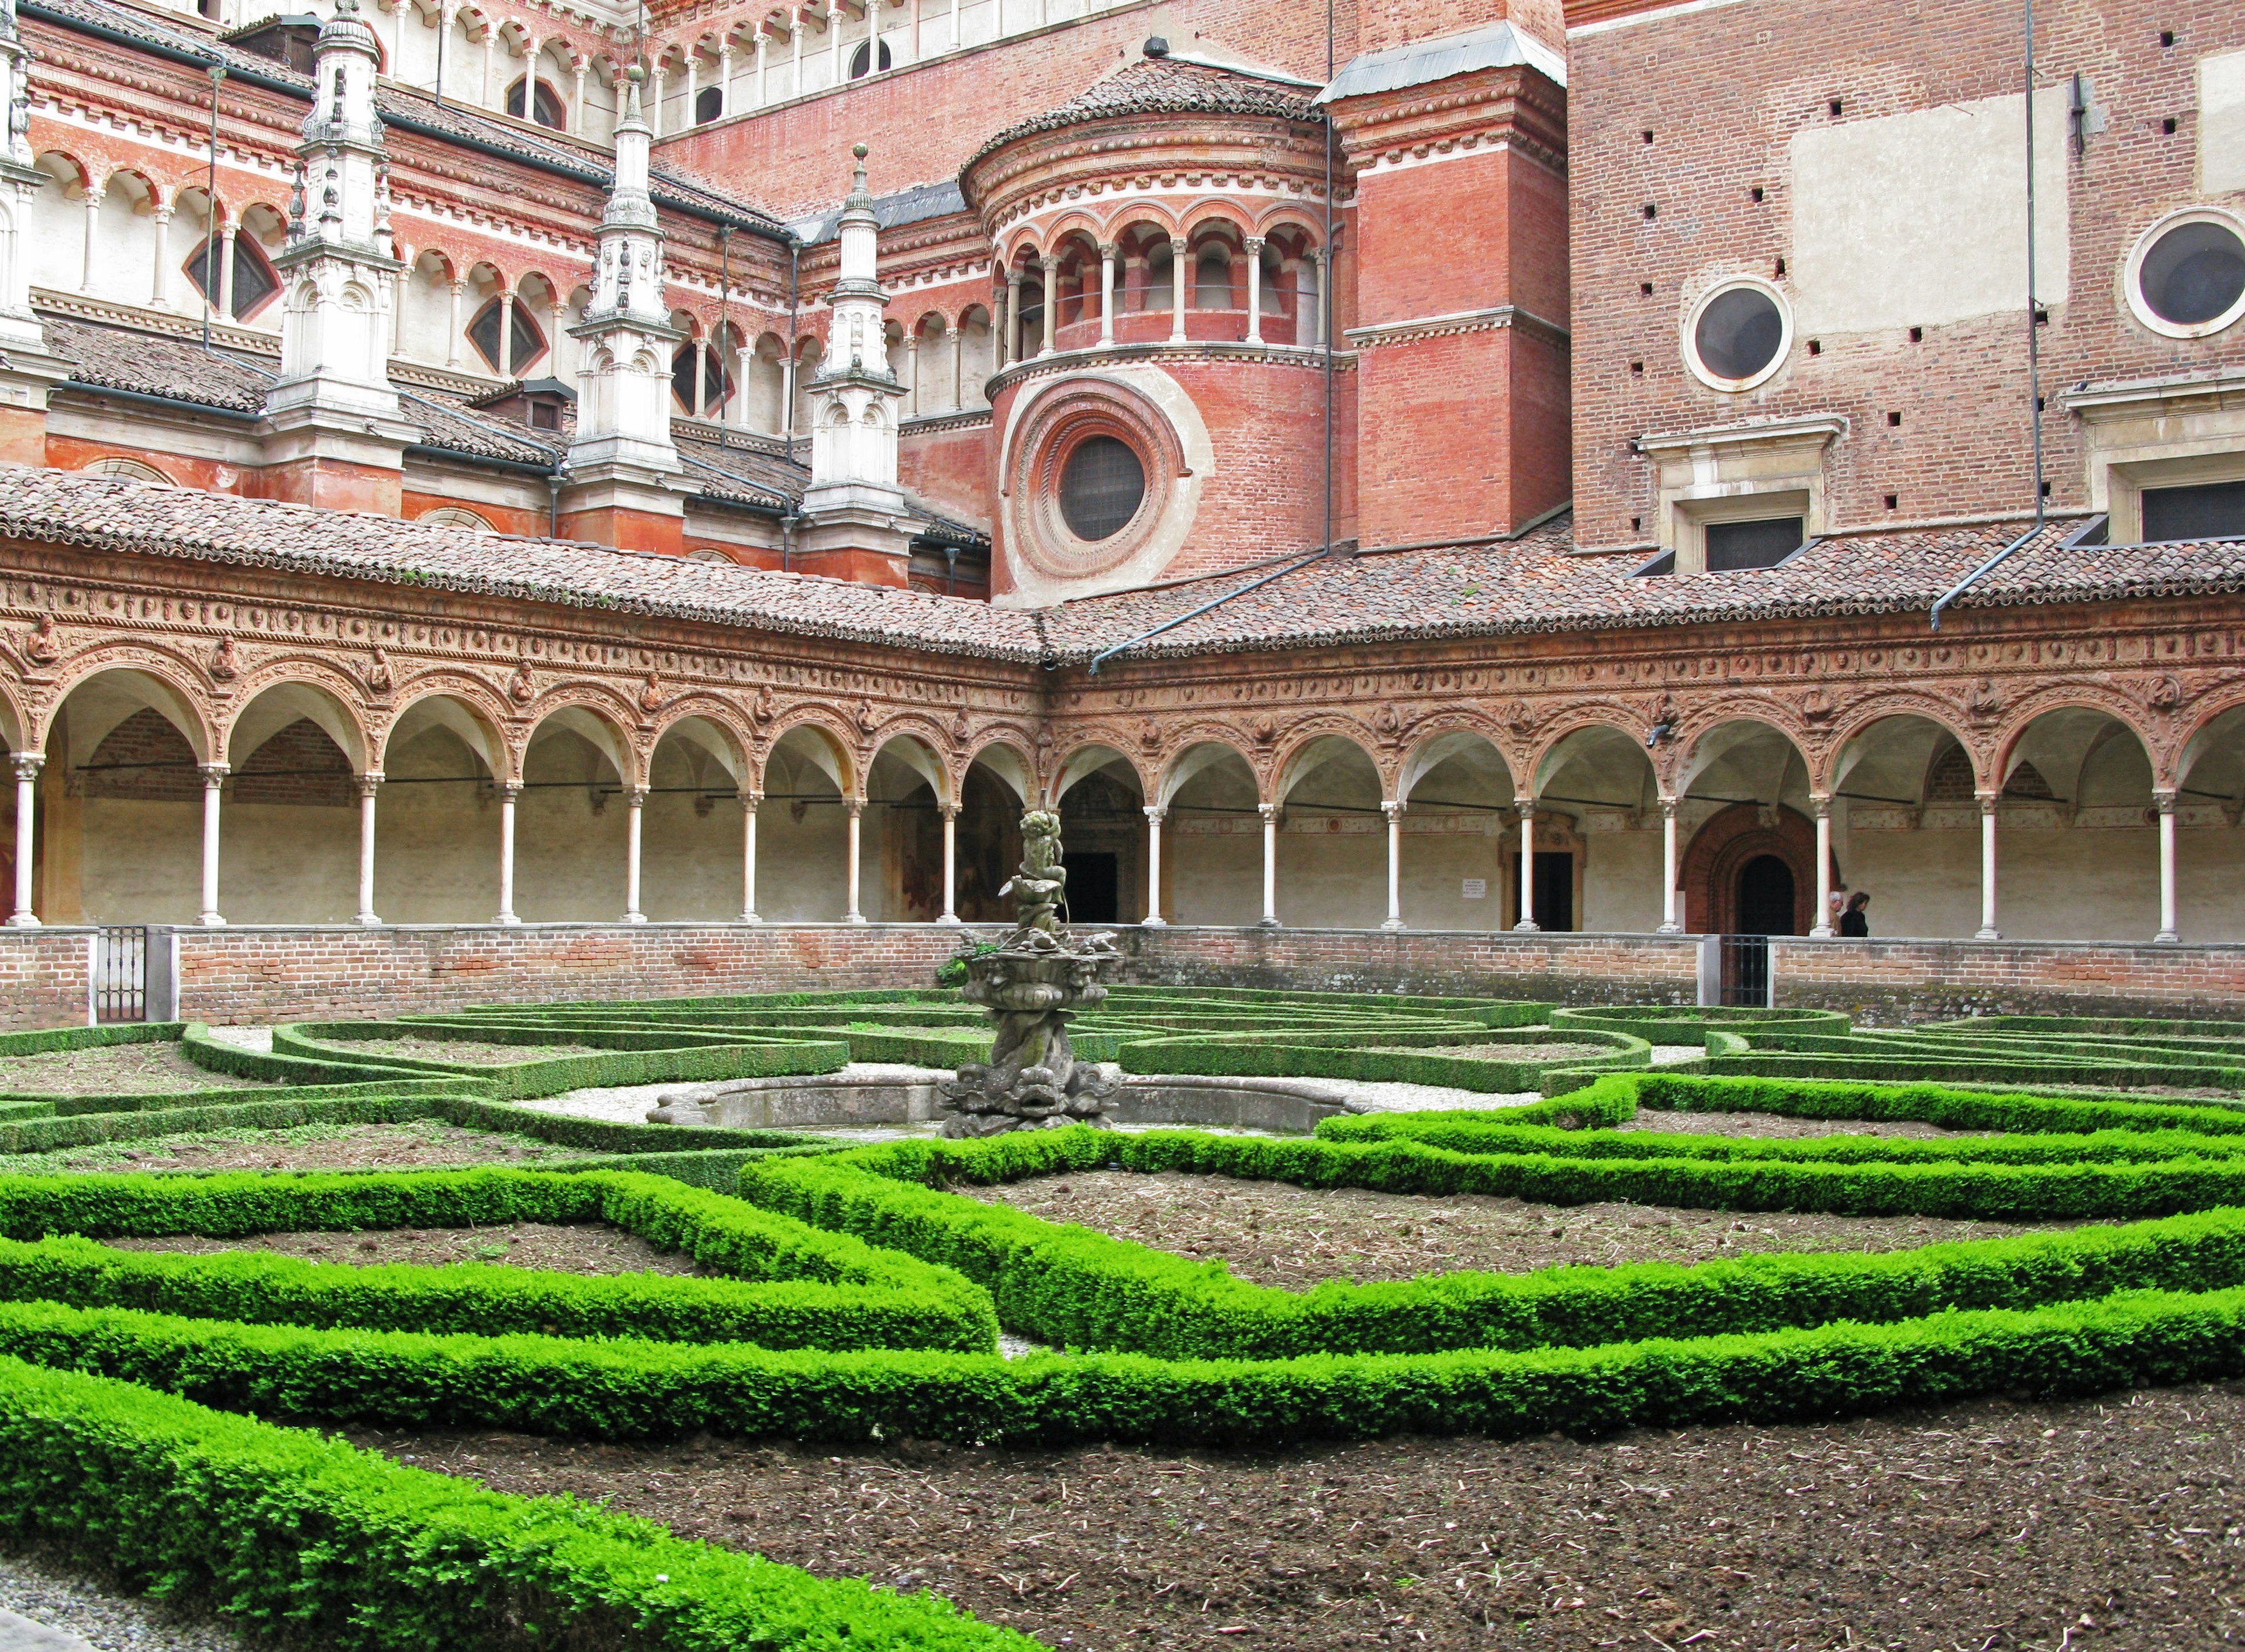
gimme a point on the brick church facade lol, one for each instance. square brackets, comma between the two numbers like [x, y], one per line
[1615, 473]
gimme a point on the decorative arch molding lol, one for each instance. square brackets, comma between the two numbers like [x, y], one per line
[1016, 744]
[1862, 717]
[1067, 770]
[598, 710]
[839, 741]
[187, 693]
[1707, 873]
[2122, 708]
[483, 706]
[1300, 738]
[739, 757]
[338, 708]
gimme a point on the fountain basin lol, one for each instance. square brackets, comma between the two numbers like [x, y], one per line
[1282, 1107]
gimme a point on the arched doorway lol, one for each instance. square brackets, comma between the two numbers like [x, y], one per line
[1766, 900]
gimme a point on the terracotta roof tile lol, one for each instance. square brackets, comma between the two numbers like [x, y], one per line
[66, 507]
[1164, 86]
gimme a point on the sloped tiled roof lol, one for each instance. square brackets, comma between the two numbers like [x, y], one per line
[112, 358]
[1163, 86]
[1537, 584]
[113, 514]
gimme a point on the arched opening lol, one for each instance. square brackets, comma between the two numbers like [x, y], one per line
[288, 852]
[903, 841]
[507, 334]
[1456, 832]
[1906, 829]
[437, 827]
[1598, 804]
[1766, 901]
[708, 104]
[2209, 808]
[1102, 833]
[1211, 837]
[692, 831]
[993, 795]
[2077, 832]
[1332, 838]
[538, 101]
[700, 384]
[1745, 794]
[803, 828]
[119, 838]
[572, 825]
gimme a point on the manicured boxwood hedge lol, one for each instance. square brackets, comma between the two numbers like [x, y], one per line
[814, 1284]
[283, 1078]
[290, 1531]
[632, 1056]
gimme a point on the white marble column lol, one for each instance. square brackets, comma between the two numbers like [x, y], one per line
[1822, 930]
[958, 365]
[578, 71]
[950, 864]
[795, 54]
[634, 825]
[692, 89]
[724, 78]
[954, 43]
[1318, 307]
[506, 333]
[748, 801]
[1107, 291]
[452, 333]
[1270, 813]
[1670, 924]
[507, 795]
[1394, 813]
[1154, 815]
[653, 108]
[213, 787]
[27, 764]
[1988, 929]
[1527, 866]
[161, 275]
[701, 378]
[1050, 265]
[857, 805]
[911, 375]
[2164, 799]
[835, 13]
[92, 235]
[368, 784]
[1254, 289]
[226, 271]
[764, 67]
[1013, 353]
[1180, 286]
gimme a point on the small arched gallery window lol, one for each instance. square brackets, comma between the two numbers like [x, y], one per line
[254, 283]
[529, 344]
[708, 104]
[544, 105]
[861, 65]
[717, 387]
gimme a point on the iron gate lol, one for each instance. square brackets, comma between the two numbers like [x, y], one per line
[121, 973]
[1745, 970]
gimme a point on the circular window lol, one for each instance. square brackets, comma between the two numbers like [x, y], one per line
[2187, 278]
[1738, 336]
[1100, 486]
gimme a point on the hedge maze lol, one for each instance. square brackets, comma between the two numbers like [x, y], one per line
[168, 1409]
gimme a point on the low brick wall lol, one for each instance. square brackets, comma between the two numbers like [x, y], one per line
[248, 974]
[1885, 983]
[43, 977]
[1560, 969]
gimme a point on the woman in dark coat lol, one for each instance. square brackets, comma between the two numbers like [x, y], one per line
[1853, 924]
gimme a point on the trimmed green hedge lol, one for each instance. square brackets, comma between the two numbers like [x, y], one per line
[907, 1302]
[625, 1390]
[1071, 1286]
[290, 1531]
[1412, 1056]
[632, 1057]
[1657, 1023]
[283, 1078]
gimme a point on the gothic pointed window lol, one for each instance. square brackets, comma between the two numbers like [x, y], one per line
[717, 387]
[254, 280]
[529, 343]
[544, 105]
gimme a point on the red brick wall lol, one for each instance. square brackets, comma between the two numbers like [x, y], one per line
[949, 470]
[1882, 982]
[925, 121]
[1723, 90]
[1384, 23]
[42, 978]
[530, 521]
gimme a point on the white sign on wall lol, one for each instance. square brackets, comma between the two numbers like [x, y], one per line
[1475, 889]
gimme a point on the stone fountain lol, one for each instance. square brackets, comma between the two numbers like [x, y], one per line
[1039, 977]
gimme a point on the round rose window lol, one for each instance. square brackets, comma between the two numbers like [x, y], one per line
[1100, 486]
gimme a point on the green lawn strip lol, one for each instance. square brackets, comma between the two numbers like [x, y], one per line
[629, 1057]
[1076, 1287]
[629, 1390]
[286, 1532]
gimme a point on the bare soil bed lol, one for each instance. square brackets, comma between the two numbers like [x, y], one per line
[1994, 1526]
[1277, 1234]
[1780, 1124]
[418, 1144]
[118, 1069]
[581, 1248]
[458, 1050]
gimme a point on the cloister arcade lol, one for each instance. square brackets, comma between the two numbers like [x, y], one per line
[463, 808]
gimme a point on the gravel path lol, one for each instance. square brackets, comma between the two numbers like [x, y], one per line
[244, 1038]
[85, 1610]
[116, 1069]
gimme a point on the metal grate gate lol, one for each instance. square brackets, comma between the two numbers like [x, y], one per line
[1745, 970]
[121, 973]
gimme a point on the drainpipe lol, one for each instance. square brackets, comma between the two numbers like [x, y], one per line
[794, 361]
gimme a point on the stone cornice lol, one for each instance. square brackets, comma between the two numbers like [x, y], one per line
[1295, 355]
[2175, 393]
[1772, 433]
[1512, 105]
[1426, 327]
